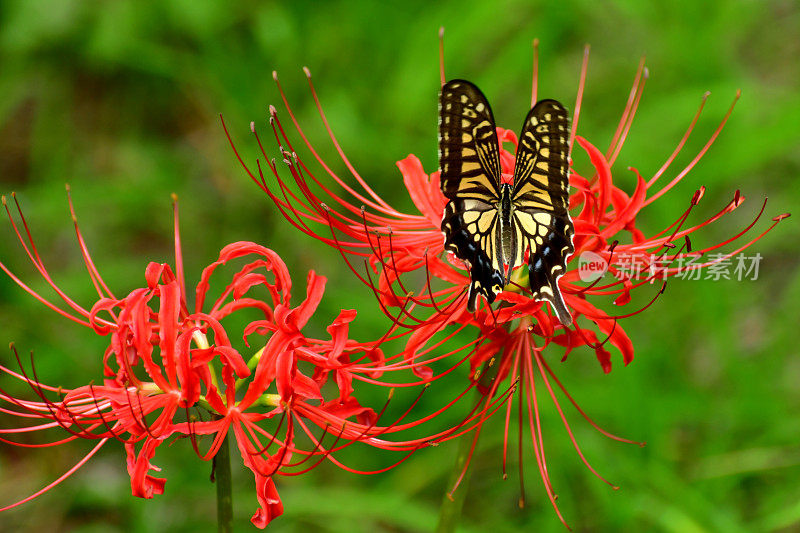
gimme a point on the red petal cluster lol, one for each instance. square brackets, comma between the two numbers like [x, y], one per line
[396, 247]
[171, 371]
[363, 226]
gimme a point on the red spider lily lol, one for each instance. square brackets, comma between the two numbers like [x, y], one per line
[361, 225]
[365, 227]
[172, 372]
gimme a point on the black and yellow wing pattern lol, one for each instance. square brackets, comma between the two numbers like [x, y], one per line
[491, 224]
[469, 161]
[541, 201]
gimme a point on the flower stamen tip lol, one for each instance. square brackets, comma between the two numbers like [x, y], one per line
[308, 72]
[441, 32]
[272, 110]
[781, 217]
[698, 195]
[252, 126]
[275, 75]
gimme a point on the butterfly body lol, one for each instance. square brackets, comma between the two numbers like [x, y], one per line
[491, 224]
[505, 212]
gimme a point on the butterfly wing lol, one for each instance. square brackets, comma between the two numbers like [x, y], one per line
[540, 197]
[469, 160]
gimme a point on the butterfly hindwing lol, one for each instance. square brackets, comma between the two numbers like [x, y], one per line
[541, 201]
[469, 160]
[477, 247]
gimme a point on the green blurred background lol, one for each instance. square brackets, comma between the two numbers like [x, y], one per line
[121, 100]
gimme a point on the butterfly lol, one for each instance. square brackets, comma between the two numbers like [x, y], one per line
[490, 223]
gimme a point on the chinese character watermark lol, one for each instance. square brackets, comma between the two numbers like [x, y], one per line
[651, 267]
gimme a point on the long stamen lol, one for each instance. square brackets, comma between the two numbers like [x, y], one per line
[33, 256]
[628, 106]
[515, 369]
[681, 143]
[520, 462]
[377, 205]
[631, 113]
[566, 424]
[346, 161]
[94, 274]
[579, 98]
[64, 476]
[699, 155]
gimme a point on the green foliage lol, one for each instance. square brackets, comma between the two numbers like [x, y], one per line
[121, 100]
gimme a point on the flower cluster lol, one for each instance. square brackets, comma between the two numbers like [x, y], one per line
[172, 369]
[395, 247]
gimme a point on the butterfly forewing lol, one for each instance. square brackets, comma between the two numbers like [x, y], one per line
[469, 156]
[541, 170]
[541, 218]
[469, 160]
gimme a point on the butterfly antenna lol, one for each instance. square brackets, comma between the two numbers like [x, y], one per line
[535, 81]
[441, 55]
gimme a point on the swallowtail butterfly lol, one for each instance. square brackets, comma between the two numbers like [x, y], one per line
[490, 223]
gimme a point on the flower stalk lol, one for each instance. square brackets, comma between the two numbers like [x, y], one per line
[222, 478]
[453, 501]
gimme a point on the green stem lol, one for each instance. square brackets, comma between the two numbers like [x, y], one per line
[222, 475]
[450, 511]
